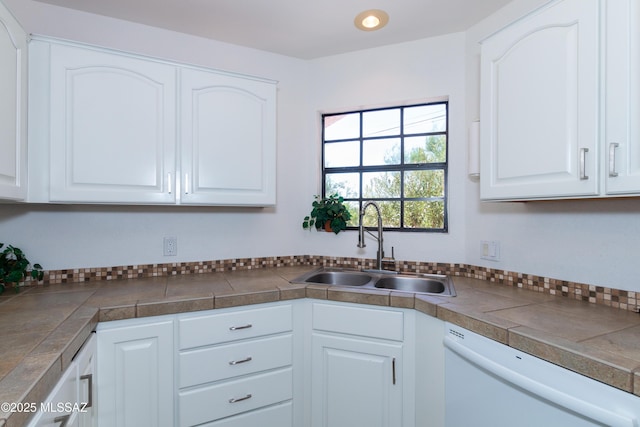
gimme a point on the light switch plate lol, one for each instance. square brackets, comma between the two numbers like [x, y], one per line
[490, 250]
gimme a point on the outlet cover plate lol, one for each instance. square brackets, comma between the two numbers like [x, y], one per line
[170, 246]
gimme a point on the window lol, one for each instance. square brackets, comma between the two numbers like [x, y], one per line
[396, 157]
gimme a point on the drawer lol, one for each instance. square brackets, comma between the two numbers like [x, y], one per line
[218, 328]
[211, 364]
[366, 322]
[64, 393]
[222, 400]
[273, 416]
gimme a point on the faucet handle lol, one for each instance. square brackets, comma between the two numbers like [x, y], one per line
[390, 262]
[393, 258]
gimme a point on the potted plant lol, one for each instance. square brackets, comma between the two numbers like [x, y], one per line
[329, 213]
[15, 267]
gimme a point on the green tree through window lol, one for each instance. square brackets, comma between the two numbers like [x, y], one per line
[396, 157]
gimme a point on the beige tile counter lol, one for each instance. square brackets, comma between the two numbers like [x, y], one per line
[44, 326]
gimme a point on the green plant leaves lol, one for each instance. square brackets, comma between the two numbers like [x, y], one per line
[330, 209]
[15, 267]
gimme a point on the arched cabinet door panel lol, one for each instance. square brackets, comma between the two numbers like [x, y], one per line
[539, 105]
[13, 107]
[112, 127]
[228, 139]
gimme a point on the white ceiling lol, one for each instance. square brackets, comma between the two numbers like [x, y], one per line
[300, 28]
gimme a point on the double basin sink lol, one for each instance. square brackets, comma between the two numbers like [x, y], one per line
[432, 284]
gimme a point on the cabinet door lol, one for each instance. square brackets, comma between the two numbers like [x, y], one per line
[539, 105]
[13, 107]
[57, 409]
[112, 132]
[228, 139]
[135, 375]
[622, 108]
[86, 383]
[355, 382]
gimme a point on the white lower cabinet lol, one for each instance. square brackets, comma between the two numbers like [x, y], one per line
[63, 392]
[221, 400]
[135, 373]
[72, 400]
[358, 373]
[429, 371]
[305, 363]
[354, 382]
[235, 365]
[86, 360]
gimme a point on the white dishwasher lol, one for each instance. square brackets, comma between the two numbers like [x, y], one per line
[488, 384]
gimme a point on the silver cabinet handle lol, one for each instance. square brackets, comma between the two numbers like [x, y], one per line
[186, 183]
[238, 362]
[583, 166]
[237, 328]
[239, 399]
[169, 183]
[89, 378]
[63, 420]
[612, 159]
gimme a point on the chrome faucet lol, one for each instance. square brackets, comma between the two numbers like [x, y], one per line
[361, 231]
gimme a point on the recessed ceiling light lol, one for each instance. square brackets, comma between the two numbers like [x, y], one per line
[371, 20]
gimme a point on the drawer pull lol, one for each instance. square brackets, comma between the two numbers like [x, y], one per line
[239, 399]
[89, 378]
[237, 328]
[237, 362]
[63, 420]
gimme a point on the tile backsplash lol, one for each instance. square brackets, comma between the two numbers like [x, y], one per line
[624, 300]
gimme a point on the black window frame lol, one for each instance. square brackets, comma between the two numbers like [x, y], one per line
[402, 167]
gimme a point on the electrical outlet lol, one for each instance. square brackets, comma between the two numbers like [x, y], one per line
[170, 246]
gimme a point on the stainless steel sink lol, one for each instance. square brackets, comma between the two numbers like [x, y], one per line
[344, 278]
[433, 284]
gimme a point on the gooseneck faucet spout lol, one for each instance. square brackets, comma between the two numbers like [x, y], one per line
[361, 231]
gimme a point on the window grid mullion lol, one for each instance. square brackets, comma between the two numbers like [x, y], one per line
[402, 167]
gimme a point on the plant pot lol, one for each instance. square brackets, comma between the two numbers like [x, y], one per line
[327, 226]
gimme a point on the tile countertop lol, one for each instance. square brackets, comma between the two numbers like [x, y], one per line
[44, 326]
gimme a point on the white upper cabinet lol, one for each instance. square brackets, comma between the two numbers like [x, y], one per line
[119, 128]
[13, 108]
[539, 105]
[228, 139]
[621, 147]
[112, 127]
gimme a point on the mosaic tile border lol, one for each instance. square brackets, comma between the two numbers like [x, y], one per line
[616, 298]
